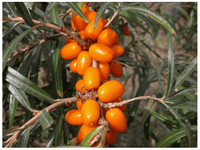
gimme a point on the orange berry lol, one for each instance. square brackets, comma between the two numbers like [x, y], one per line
[90, 15]
[79, 104]
[90, 112]
[105, 22]
[70, 51]
[84, 131]
[111, 137]
[68, 40]
[85, 8]
[84, 60]
[72, 24]
[117, 50]
[126, 30]
[116, 120]
[91, 78]
[101, 53]
[73, 65]
[116, 69]
[116, 42]
[92, 33]
[79, 86]
[82, 34]
[110, 90]
[104, 69]
[107, 37]
[74, 117]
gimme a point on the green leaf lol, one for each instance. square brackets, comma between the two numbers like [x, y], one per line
[10, 7]
[45, 120]
[151, 14]
[22, 83]
[20, 96]
[50, 142]
[9, 30]
[13, 103]
[140, 92]
[187, 105]
[186, 72]
[182, 92]
[191, 20]
[174, 136]
[54, 14]
[170, 66]
[159, 77]
[10, 130]
[86, 140]
[58, 131]
[12, 45]
[182, 123]
[100, 13]
[24, 138]
[77, 10]
[50, 6]
[57, 69]
[24, 12]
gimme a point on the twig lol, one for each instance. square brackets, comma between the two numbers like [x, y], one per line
[110, 105]
[120, 63]
[37, 114]
[94, 63]
[66, 13]
[114, 15]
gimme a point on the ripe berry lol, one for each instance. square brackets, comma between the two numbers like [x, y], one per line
[105, 22]
[79, 86]
[117, 50]
[84, 131]
[82, 34]
[110, 90]
[90, 15]
[107, 37]
[68, 40]
[104, 69]
[116, 69]
[84, 60]
[91, 78]
[72, 24]
[73, 65]
[101, 53]
[116, 42]
[116, 120]
[92, 33]
[90, 112]
[79, 104]
[70, 50]
[111, 137]
[126, 30]
[74, 117]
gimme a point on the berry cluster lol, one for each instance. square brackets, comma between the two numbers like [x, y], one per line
[104, 50]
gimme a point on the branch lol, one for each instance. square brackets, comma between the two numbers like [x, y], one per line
[66, 13]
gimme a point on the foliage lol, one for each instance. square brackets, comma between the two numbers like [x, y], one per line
[36, 78]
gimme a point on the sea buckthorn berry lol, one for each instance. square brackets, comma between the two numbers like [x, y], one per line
[126, 30]
[90, 15]
[74, 117]
[92, 33]
[104, 69]
[84, 131]
[68, 40]
[123, 107]
[73, 65]
[105, 22]
[116, 120]
[90, 112]
[70, 51]
[116, 42]
[79, 86]
[111, 137]
[84, 60]
[85, 8]
[117, 50]
[72, 24]
[116, 69]
[107, 37]
[110, 90]
[82, 34]
[79, 104]
[91, 78]
[101, 52]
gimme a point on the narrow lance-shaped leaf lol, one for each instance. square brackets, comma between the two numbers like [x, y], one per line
[10, 7]
[22, 83]
[12, 45]
[186, 72]
[24, 12]
[58, 131]
[170, 66]
[20, 96]
[54, 14]
[24, 138]
[45, 120]
[57, 69]
[174, 136]
[100, 13]
[50, 6]
[8, 31]
[13, 103]
[152, 15]
[77, 10]
[183, 124]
